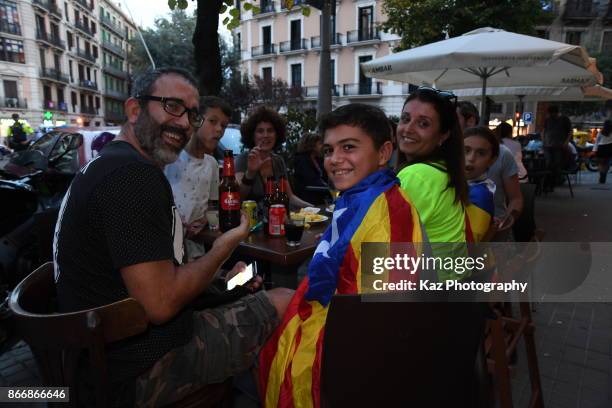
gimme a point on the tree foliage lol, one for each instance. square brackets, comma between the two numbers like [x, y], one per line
[420, 22]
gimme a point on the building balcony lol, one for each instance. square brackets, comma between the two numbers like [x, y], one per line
[56, 106]
[263, 50]
[10, 28]
[86, 83]
[266, 7]
[357, 36]
[54, 75]
[13, 103]
[580, 10]
[362, 89]
[120, 73]
[312, 92]
[315, 42]
[295, 3]
[116, 117]
[85, 4]
[87, 56]
[88, 110]
[79, 25]
[50, 39]
[114, 48]
[112, 26]
[116, 94]
[293, 45]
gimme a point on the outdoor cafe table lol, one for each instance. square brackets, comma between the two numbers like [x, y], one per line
[278, 261]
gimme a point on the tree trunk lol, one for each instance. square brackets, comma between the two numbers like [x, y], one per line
[206, 53]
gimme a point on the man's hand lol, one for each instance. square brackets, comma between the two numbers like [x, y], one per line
[195, 227]
[254, 285]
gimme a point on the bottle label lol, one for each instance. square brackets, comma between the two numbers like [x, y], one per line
[230, 201]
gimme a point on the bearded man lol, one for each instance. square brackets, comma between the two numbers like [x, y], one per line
[119, 235]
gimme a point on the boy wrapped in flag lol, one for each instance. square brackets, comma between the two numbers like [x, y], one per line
[371, 208]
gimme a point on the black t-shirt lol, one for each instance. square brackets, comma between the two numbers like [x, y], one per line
[119, 211]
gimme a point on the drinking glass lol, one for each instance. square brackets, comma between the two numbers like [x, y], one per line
[212, 216]
[294, 228]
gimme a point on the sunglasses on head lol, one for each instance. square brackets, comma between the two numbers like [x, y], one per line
[176, 107]
[448, 95]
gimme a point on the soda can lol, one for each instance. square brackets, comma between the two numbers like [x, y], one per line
[250, 208]
[276, 225]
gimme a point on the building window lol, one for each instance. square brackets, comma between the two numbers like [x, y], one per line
[606, 42]
[266, 74]
[366, 23]
[9, 18]
[69, 39]
[11, 50]
[10, 94]
[573, 37]
[296, 75]
[66, 11]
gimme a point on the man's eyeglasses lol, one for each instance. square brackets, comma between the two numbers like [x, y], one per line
[448, 95]
[176, 107]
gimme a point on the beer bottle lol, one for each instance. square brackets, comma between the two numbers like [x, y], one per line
[283, 196]
[267, 201]
[229, 195]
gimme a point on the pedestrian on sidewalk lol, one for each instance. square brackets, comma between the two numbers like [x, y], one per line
[557, 134]
[603, 150]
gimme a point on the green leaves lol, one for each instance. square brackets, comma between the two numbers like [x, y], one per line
[306, 11]
[182, 4]
[172, 4]
[247, 6]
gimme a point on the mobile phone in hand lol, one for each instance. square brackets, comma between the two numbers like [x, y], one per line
[243, 277]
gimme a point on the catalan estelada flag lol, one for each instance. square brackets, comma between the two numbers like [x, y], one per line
[374, 210]
[481, 209]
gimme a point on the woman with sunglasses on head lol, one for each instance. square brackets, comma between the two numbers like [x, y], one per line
[262, 133]
[431, 165]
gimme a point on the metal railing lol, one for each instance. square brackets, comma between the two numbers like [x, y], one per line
[86, 83]
[116, 94]
[315, 42]
[109, 23]
[53, 105]
[50, 39]
[580, 9]
[265, 49]
[78, 24]
[293, 45]
[11, 28]
[86, 4]
[313, 91]
[362, 88]
[295, 3]
[115, 71]
[267, 7]
[14, 103]
[362, 35]
[54, 74]
[86, 55]
[89, 110]
[113, 48]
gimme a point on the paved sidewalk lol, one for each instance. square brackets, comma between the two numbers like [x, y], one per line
[574, 340]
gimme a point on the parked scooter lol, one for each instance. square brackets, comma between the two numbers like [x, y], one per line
[32, 185]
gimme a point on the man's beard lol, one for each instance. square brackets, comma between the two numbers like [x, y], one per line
[149, 135]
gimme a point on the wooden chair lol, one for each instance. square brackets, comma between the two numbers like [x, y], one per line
[405, 353]
[57, 340]
[505, 331]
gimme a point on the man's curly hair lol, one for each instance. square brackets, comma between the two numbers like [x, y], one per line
[262, 114]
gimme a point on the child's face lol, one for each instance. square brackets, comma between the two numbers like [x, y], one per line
[215, 122]
[350, 156]
[478, 156]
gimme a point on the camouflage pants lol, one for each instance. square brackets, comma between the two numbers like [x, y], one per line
[226, 341]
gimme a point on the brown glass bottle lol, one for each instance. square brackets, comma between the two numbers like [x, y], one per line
[229, 195]
[282, 191]
[267, 201]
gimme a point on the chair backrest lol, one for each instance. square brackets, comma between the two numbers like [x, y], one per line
[524, 227]
[402, 353]
[58, 340]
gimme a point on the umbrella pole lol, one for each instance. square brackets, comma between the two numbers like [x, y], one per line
[483, 102]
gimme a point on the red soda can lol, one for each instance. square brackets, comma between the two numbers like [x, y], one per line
[276, 225]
